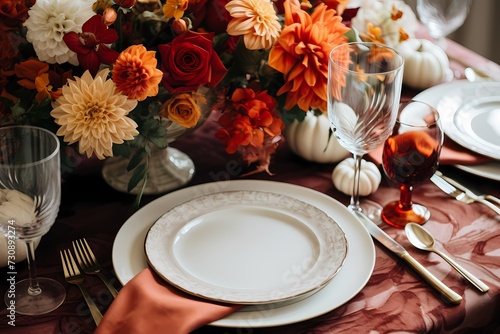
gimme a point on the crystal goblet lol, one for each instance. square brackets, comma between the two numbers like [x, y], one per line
[364, 89]
[410, 157]
[30, 194]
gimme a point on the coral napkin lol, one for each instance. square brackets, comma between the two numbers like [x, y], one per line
[451, 154]
[147, 304]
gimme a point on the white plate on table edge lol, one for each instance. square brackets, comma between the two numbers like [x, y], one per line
[246, 247]
[433, 96]
[129, 257]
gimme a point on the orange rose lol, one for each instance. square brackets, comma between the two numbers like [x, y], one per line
[183, 109]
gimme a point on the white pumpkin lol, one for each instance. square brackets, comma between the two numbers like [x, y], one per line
[426, 64]
[343, 177]
[20, 207]
[310, 139]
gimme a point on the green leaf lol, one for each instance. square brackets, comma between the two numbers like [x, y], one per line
[137, 158]
[137, 176]
[122, 150]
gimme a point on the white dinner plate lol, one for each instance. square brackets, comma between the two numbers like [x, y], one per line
[129, 257]
[458, 97]
[246, 247]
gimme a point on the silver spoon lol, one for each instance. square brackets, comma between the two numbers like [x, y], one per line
[422, 239]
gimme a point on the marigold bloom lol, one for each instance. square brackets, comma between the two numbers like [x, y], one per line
[135, 73]
[92, 112]
[175, 8]
[301, 54]
[256, 20]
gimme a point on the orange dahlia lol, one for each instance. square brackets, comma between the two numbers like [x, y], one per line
[135, 73]
[301, 54]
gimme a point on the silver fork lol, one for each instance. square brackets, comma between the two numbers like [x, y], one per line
[460, 195]
[88, 262]
[73, 276]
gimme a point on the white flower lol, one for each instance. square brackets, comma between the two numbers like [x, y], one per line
[49, 20]
[378, 13]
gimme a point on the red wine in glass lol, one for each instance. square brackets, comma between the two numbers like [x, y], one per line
[410, 157]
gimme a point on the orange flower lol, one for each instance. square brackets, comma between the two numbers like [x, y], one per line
[135, 73]
[374, 34]
[175, 8]
[183, 109]
[305, 64]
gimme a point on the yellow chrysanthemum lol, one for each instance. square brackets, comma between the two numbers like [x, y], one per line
[256, 20]
[92, 112]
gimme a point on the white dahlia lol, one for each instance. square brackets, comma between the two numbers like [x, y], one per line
[93, 112]
[49, 20]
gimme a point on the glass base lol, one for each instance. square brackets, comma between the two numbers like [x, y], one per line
[51, 297]
[395, 216]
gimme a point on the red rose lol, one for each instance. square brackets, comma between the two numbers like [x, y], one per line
[189, 62]
[13, 13]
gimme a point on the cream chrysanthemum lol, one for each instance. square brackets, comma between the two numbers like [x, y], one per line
[256, 20]
[92, 112]
[49, 20]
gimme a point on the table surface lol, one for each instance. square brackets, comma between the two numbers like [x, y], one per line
[394, 299]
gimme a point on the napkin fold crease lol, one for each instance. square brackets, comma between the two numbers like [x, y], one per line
[147, 304]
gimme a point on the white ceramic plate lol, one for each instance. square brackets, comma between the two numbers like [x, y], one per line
[450, 97]
[246, 247]
[129, 257]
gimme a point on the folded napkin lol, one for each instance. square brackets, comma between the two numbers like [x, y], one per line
[451, 154]
[147, 304]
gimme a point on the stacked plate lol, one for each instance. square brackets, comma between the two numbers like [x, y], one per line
[470, 115]
[289, 252]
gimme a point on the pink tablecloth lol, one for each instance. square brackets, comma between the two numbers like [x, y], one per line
[395, 299]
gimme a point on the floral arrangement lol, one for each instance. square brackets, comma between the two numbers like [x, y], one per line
[108, 76]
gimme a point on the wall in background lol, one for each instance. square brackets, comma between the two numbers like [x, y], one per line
[481, 30]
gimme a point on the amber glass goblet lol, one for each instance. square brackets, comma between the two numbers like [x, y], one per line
[410, 157]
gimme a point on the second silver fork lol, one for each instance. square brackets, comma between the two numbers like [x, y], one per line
[88, 263]
[461, 195]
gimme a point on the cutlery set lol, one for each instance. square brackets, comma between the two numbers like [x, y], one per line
[422, 239]
[89, 265]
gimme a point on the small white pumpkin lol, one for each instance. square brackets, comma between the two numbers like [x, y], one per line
[310, 139]
[20, 207]
[426, 64]
[343, 177]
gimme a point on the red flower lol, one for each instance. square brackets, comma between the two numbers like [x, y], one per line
[90, 44]
[189, 62]
[13, 12]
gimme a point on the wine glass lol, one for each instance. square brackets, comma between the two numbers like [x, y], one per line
[30, 194]
[442, 17]
[410, 157]
[364, 88]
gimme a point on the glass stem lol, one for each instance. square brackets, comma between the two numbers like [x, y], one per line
[354, 205]
[405, 197]
[34, 288]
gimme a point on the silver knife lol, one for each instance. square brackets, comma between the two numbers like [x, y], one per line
[378, 234]
[469, 193]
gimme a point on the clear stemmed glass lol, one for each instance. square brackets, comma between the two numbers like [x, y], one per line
[364, 89]
[30, 194]
[410, 157]
[442, 17]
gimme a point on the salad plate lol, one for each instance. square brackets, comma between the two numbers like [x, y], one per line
[246, 247]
